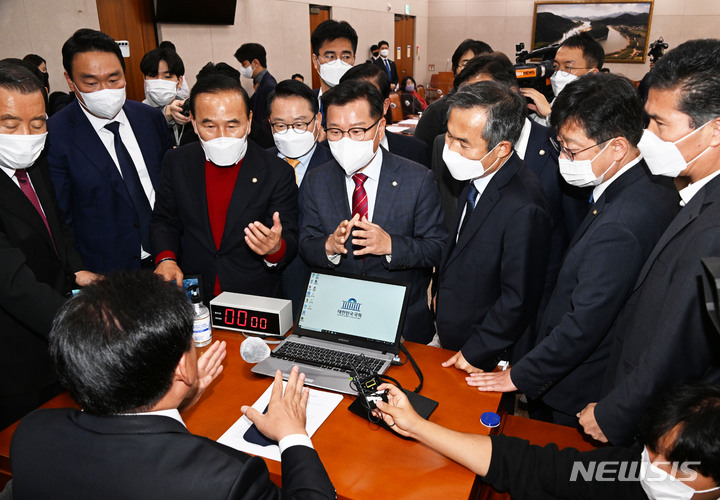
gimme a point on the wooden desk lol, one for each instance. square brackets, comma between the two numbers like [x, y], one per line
[362, 459]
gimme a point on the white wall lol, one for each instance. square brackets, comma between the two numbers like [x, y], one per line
[41, 27]
[505, 23]
[283, 27]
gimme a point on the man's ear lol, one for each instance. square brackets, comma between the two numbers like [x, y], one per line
[504, 148]
[179, 83]
[386, 106]
[714, 125]
[182, 370]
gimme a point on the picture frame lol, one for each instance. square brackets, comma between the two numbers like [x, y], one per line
[621, 27]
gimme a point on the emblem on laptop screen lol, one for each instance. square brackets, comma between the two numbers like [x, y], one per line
[350, 309]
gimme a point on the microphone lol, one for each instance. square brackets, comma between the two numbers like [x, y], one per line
[254, 350]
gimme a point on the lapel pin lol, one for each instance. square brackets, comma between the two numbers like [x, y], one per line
[541, 152]
[595, 212]
[254, 180]
[394, 183]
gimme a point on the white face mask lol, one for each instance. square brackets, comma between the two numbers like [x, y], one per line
[384, 52]
[105, 103]
[353, 155]
[659, 485]
[663, 157]
[580, 173]
[160, 92]
[465, 169]
[20, 151]
[559, 79]
[246, 72]
[225, 151]
[332, 71]
[293, 144]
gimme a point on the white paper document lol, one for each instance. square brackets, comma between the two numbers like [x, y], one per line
[410, 122]
[319, 407]
[395, 129]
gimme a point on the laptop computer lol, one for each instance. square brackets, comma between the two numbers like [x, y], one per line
[357, 319]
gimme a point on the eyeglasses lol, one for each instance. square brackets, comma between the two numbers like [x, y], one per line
[297, 127]
[571, 154]
[565, 68]
[329, 57]
[355, 133]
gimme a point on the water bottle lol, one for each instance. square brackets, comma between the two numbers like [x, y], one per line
[202, 334]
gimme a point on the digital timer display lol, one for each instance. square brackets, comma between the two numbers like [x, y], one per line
[245, 319]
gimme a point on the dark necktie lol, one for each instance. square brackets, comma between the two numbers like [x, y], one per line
[359, 197]
[29, 192]
[469, 206]
[133, 184]
[387, 67]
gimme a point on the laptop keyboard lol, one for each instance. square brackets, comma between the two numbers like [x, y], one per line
[327, 358]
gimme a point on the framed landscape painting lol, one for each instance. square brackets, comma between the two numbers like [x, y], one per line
[622, 28]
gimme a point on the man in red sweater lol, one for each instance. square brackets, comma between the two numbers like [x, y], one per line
[226, 208]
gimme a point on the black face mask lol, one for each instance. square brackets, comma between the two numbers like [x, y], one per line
[376, 54]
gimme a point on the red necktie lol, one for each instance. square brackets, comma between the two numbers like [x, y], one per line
[29, 192]
[359, 198]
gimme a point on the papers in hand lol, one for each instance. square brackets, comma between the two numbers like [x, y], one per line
[319, 407]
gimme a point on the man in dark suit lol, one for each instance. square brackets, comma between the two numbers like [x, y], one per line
[295, 121]
[663, 335]
[492, 272]
[40, 265]
[124, 350]
[387, 65]
[598, 118]
[226, 208]
[104, 154]
[334, 44]
[398, 144]
[370, 212]
[534, 147]
[253, 59]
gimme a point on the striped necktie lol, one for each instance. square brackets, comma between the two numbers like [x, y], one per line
[359, 198]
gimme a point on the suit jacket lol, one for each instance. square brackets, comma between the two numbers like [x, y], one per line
[408, 147]
[295, 275]
[663, 334]
[597, 275]
[379, 62]
[34, 280]
[180, 221]
[407, 207]
[147, 457]
[261, 132]
[433, 121]
[490, 281]
[90, 190]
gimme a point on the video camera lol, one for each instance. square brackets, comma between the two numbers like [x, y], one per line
[535, 75]
[656, 49]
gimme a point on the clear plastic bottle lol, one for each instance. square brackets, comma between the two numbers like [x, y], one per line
[202, 333]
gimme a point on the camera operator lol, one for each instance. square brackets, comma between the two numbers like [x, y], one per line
[578, 55]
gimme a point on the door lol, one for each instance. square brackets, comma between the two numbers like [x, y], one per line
[318, 14]
[130, 20]
[404, 45]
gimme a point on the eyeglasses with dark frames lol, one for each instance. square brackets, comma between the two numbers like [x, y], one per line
[571, 154]
[297, 127]
[355, 133]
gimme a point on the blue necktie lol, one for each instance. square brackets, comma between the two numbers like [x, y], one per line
[133, 184]
[469, 206]
[387, 66]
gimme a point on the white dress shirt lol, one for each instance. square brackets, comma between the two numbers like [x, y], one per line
[283, 444]
[481, 184]
[133, 148]
[522, 143]
[600, 188]
[304, 160]
[687, 193]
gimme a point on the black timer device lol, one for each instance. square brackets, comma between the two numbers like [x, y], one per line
[251, 314]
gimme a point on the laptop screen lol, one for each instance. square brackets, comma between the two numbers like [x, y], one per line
[367, 309]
